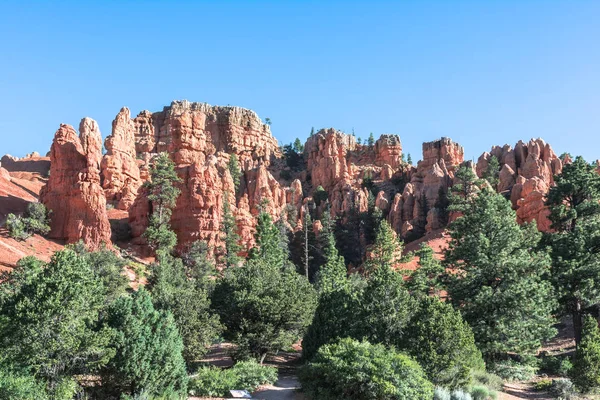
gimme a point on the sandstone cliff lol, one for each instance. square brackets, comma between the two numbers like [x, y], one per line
[73, 193]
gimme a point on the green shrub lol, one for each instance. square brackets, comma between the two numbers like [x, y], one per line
[480, 393]
[216, 382]
[319, 195]
[20, 387]
[511, 370]
[251, 375]
[488, 380]
[460, 395]
[35, 220]
[543, 385]
[560, 366]
[441, 393]
[586, 363]
[563, 389]
[353, 370]
[443, 344]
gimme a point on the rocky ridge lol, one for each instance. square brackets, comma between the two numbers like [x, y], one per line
[201, 138]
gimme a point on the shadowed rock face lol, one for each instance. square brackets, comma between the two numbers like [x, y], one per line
[73, 192]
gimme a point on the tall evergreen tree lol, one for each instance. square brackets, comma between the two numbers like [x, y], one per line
[234, 170]
[386, 250]
[230, 237]
[466, 186]
[586, 363]
[426, 279]
[148, 350]
[492, 172]
[268, 238]
[575, 215]
[409, 159]
[184, 294]
[163, 194]
[298, 146]
[371, 140]
[497, 279]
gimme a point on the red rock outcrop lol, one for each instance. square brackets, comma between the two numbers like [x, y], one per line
[388, 151]
[73, 192]
[416, 208]
[120, 170]
[526, 174]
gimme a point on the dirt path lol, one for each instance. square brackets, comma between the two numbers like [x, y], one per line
[284, 389]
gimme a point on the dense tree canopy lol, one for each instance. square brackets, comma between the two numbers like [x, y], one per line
[496, 277]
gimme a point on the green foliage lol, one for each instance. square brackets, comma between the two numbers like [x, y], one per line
[183, 292]
[14, 386]
[230, 237]
[465, 188]
[497, 278]
[386, 250]
[460, 395]
[481, 377]
[586, 363]
[198, 265]
[293, 157]
[386, 307]
[320, 195]
[356, 370]
[427, 278]
[439, 339]
[34, 221]
[234, 170]
[163, 194]
[543, 385]
[148, 349]
[107, 267]
[245, 375]
[563, 389]
[371, 140]
[265, 306]
[312, 131]
[48, 318]
[269, 238]
[298, 146]
[409, 159]
[553, 365]
[482, 393]
[492, 172]
[575, 215]
[511, 370]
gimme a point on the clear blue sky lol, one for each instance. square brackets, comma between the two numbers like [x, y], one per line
[480, 72]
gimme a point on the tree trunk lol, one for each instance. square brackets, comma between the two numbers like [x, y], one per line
[577, 321]
[262, 358]
[306, 248]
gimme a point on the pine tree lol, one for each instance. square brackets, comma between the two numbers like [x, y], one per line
[409, 159]
[586, 363]
[492, 172]
[148, 357]
[575, 216]
[427, 278]
[371, 141]
[312, 131]
[466, 186]
[163, 194]
[184, 294]
[230, 237]
[268, 240]
[234, 170]
[439, 339]
[266, 306]
[386, 250]
[298, 146]
[497, 279]
[49, 318]
[306, 242]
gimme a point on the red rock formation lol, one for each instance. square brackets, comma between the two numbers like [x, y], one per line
[527, 173]
[120, 170]
[73, 192]
[416, 206]
[388, 151]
